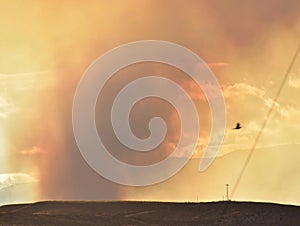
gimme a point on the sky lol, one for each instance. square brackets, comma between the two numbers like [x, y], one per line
[45, 47]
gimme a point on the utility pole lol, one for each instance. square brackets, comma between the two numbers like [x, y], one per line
[227, 192]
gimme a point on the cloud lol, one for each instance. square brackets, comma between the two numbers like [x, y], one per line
[243, 139]
[197, 93]
[241, 88]
[193, 89]
[9, 179]
[11, 86]
[294, 80]
[5, 108]
[33, 151]
[289, 116]
[232, 140]
[284, 114]
[217, 64]
[22, 81]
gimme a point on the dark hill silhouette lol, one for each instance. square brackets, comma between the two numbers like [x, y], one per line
[149, 213]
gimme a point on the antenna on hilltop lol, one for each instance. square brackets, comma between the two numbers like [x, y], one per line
[227, 192]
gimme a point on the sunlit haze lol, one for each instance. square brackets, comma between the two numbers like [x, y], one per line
[46, 46]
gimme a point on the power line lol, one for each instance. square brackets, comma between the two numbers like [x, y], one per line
[265, 122]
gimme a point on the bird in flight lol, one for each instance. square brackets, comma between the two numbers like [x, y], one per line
[238, 126]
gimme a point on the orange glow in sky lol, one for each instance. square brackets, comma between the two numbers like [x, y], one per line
[45, 47]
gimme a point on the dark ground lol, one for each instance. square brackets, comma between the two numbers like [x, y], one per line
[148, 213]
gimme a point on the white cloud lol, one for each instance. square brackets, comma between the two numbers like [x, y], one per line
[294, 80]
[9, 179]
[11, 86]
[290, 116]
[5, 108]
[241, 88]
[21, 81]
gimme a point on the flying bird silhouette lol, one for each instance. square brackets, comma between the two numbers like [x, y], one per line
[238, 126]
